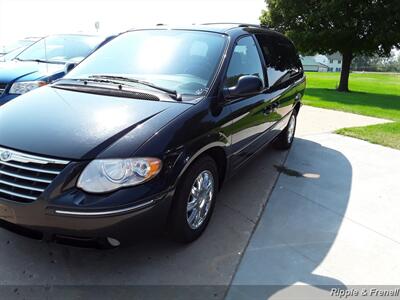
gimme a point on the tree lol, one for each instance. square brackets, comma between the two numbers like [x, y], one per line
[352, 27]
[376, 63]
[366, 63]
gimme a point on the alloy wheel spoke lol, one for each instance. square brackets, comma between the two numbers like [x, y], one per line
[192, 216]
[204, 210]
[200, 182]
[195, 192]
[209, 189]
[206, 180]
[197, 218]
[291, 128]
[192, 204]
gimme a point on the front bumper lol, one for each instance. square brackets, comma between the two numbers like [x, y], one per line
[125, 224]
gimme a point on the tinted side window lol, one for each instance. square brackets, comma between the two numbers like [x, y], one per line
[244, 61]
[281, 58]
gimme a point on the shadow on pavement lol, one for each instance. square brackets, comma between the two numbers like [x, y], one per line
[298, 228]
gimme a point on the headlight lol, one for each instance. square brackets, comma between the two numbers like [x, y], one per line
[25, 86]
[105, 175]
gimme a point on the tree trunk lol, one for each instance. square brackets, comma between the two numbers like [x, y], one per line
[344, 74]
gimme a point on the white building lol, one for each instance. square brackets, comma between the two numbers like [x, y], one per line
[311, 65]
[333, 61]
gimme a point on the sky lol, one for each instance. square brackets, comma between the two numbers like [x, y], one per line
[23, 18]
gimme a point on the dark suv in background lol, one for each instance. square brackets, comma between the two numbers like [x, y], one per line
[142, 134]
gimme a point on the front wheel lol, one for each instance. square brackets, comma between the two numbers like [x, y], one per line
[286, 137]
[194, 200]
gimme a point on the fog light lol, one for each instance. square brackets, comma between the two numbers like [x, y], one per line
[113, 242]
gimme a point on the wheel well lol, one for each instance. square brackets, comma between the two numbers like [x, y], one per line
[296, 108]
[219, 156]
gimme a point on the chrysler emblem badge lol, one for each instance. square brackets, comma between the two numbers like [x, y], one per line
[5, 155]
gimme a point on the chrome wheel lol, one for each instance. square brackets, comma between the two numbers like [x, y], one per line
[291, 129]
[200, 198]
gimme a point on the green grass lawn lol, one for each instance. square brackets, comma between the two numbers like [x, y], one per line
[372, 94]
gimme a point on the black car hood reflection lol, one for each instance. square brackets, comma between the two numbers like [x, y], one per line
[74, 125]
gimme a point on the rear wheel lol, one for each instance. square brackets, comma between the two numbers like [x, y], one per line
[194, 200]
[286, 137]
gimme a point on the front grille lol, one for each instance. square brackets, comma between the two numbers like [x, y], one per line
[2, 87]
[24, 177]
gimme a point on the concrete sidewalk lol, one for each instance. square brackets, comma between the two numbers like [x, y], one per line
[313, 120]
[332, 219]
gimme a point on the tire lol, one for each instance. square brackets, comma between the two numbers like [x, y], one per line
[181, 228]
[285, 139]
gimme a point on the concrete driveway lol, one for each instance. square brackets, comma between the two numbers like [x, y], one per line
[332, 221]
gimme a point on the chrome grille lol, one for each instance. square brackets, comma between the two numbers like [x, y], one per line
[24, 177]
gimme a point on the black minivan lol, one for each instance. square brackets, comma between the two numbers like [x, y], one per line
[141, 135]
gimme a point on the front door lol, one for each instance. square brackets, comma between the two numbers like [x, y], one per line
[249, 114]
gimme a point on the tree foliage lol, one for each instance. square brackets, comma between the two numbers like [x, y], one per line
[376, 63]
[352, 27]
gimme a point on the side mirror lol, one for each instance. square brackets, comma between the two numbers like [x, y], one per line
[69, 66]
[246, 85]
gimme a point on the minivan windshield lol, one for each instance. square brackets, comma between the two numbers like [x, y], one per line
[181, 60]
[61, 48]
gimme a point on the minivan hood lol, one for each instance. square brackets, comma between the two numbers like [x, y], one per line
[73, 125]
[27, 70]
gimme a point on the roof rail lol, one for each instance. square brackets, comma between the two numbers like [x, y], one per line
[238, 24]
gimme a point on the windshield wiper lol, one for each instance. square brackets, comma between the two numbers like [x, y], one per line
[39, 61]
[171, 92]
[104, 91]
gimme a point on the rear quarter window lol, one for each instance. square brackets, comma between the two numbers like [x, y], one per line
[281, 58]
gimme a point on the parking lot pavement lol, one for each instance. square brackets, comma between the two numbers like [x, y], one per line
[332, 220]
[211, 260]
